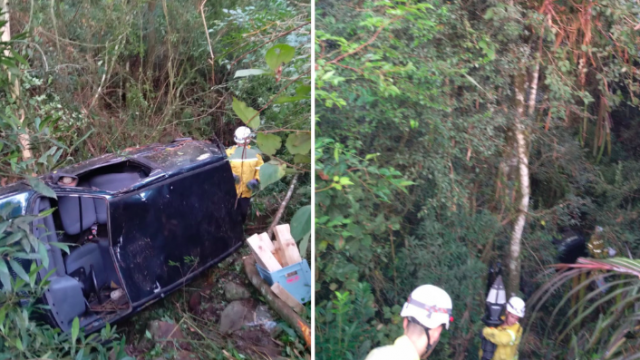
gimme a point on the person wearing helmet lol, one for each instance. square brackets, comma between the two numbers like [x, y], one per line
[427, 311]
[508, 335]
[245, 165]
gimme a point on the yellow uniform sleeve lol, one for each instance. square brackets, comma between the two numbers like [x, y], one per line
[258, 165]
[501, 336]
[230, 151]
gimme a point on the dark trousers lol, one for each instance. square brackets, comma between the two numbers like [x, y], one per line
[244, 205]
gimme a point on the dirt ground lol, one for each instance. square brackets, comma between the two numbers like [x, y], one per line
[219, 315]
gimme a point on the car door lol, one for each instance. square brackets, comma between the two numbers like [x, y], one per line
[173, 229]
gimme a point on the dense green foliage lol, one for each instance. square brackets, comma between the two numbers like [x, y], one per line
[90, 77]
[100, 77]
[22, 334]
[416, 180]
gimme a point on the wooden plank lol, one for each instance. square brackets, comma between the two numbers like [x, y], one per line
[289, 250]
[284, 295]
[265, 240]
[277, 252]
[263, 255]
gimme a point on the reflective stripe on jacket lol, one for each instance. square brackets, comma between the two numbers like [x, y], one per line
[402, 349]
[507, 339]
[245, 162]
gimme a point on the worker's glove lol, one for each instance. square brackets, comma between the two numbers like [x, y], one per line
[236, 178]
[253, 185]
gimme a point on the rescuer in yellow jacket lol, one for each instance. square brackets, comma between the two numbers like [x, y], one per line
[426, 313]
[245, 165]
[508, 335]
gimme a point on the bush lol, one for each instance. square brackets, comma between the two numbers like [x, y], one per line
[22, 333]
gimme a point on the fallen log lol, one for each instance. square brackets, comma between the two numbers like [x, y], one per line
[294, 320]
[284, 295]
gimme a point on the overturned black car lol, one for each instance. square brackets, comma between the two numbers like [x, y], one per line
[145, 222]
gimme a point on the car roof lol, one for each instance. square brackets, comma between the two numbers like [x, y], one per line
[173, 159]
[167, 157]
[14, 189]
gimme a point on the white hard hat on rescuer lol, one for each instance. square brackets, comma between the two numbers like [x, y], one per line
[426, 312]
[516, 306]
[430, 305]
[242, 134]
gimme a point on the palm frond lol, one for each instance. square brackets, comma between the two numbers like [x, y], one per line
[614, 310]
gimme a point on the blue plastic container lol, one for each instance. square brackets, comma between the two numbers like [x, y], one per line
[296, 279]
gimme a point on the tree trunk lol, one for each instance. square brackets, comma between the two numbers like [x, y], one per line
[533, 92]
[15, 92]
[521, 146]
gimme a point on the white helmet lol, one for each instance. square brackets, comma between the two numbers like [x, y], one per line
[516, 306]
[242, 134]
[430, 305]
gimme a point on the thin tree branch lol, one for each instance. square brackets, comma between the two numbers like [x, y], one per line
[283, 205]
[106, 64]
[284, 130]
[44, 58]
[267, 42]
[206, 31]
[40, 31]
[350, 68]
[55, 26]
[293, 166]
[371, 40]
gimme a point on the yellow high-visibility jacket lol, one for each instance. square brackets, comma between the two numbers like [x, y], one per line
[402, 349]
[246, 166]
[507, 339]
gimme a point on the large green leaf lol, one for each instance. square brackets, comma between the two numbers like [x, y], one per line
[279, 54]
[304, 244]
[4, 225]
[303, 90]
[44, 257]
[247, 114]
[268, 143]
[299, 143]
[39, 186]
[62, 246]
[19, 270]
[6, 209]
[15, 236]
[270, 173]
[288, 99]
[301, 159]
[4, 275]
[75, 330]
[301, 222]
